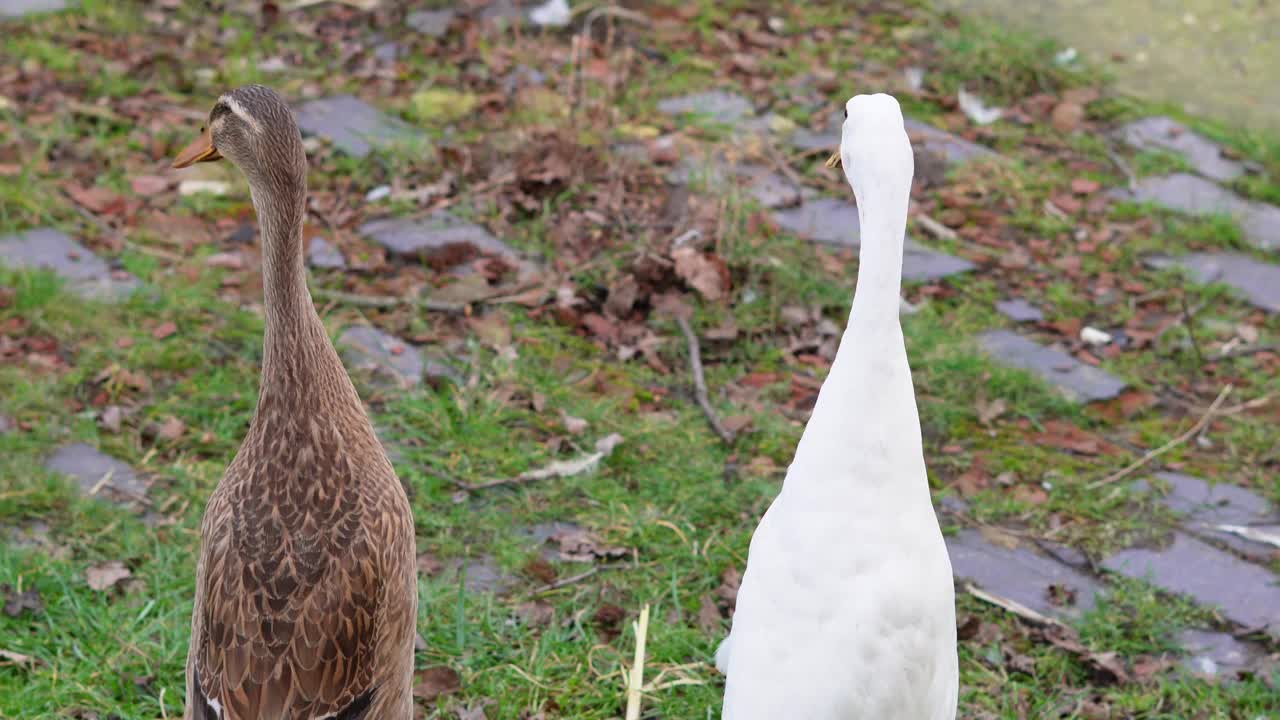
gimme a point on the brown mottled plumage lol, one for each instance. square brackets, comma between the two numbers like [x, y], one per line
[306, 588]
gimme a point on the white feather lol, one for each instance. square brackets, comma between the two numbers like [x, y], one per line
[847, 609]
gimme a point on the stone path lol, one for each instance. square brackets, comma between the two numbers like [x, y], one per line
[16, 8]
[1195, 195]
[389, 359]
[351, 124]
[440, 239]
[86, 274]
[1162, 133]
[1076, 380]
[1256, 281]
[97, 473]
[1032, 578]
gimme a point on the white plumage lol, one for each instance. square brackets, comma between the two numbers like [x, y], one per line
[847, 609]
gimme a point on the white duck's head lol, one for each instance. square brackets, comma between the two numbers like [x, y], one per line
[874, 148]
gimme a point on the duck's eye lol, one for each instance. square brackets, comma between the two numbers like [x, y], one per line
[846, 113]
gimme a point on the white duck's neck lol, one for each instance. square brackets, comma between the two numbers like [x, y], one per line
[882, 219]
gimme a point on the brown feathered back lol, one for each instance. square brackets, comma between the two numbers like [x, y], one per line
[306, 589]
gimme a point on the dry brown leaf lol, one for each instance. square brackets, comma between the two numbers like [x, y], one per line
[709, 616]
[701, 271]
[164, 330]
[537, 613]
[171, 429]
[435, 681]
[104, 576]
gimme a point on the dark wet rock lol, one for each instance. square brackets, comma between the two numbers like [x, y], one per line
[16, 8]
[771, 189]
[1194, 195]
[1248, 594]
[540, 536]
[481, 575]
[388, 51]
[387, 357]
[97, 473]
[439, 373]
[1021, 574]
[718, 105]
[1216, 655]
[835, 222]
[86, 274]
[439, 238]
[432, 23]
[1257, 281]
[1205, 508]
[351, 124]
[1019, 310]
[1162, 133]
[1078, 381]
[825, 220]
[322, 254]
[929, 143]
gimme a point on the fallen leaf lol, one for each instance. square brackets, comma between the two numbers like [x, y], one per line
[1065, 436]
[703, 272]
[582, 545]
[709, 616]
[1067, 117]
[536, 613]
[727, 591]
[989, 411]
[111, 418]
[1030, 494]
[105, 575]
[95, 199]
[539, 569]
[435, 681]
[18, 603]
[148, 185]
[608, 620]
[164, 330]
[429, 564]
[574, 425]
[171, 429]
[17, 658]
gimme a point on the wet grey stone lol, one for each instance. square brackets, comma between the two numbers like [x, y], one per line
[1257, 281]
[1020, 574]
[1194, 195]
[439, 374]
[322, 254]
[505, 12]
[540, 536]
[1162, 133]
[92, 468]
[825, 220]
[387, 51]
[710, 172]
[16, 8]
[387, 357]
[835, 222]
[1248, 594]
[1076, 380]
[1216, 655]
[351, 124]
[925, 140]
[86, 274]
[432, 23]
[435, 238]
[718, 105]
[523, 77]
[772, 190]
[1204, 507]
[1019, 310]
[481, 575]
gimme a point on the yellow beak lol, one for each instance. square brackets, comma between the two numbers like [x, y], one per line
[200, 150]
[834, 160]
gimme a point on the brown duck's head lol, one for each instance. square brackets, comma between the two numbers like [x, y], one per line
[252, 127]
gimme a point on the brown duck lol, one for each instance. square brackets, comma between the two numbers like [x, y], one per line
[306, 588]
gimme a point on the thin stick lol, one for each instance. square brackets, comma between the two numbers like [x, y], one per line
[935, 228]
[636, 681]
[389, 301]
[1152, 455]
[1247, 351]
[1123, 166]
[574, 579]
[557, 469]
[700, 381]
[1187, 320]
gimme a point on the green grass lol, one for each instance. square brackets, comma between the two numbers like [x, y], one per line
[681, 501]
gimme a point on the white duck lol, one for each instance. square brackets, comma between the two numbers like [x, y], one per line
[847, 609]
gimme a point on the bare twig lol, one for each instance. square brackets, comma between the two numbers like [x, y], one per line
[700, 381]
[557, 469]
[1123, 167]
[389, 301]
[1152, 455]
[935, 228]
[580, 45]
[635, 681]
[1247, 351]
[1187, 320]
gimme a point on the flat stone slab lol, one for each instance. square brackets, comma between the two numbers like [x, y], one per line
[97, 473]
[1216, 655]
[1020, 574]
[17, 8]
[438, 238]
[771, 189]
[86, 274]
[1257, 281]
[432, 23]
[353, 126]
[718, 105]
[1248, 594]
[1204, 508]
[1019, 310]
[1194, 195]
[1163, 133]
[387, 357]
[324, 255]
[925, 140]
[1076, 380]
[835, 222]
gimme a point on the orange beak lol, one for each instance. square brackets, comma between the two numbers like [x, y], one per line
[834, 160]
[201, 150]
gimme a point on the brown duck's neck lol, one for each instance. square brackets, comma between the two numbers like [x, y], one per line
[299, 362]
